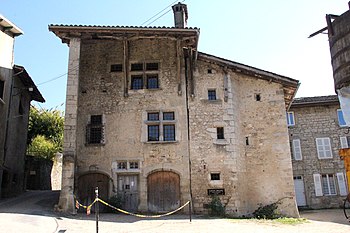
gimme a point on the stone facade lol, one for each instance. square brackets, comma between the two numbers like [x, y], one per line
[157, 122]
[316, 117]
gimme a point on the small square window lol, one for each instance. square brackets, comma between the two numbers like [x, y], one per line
[134, 165]
[168, 116]
[122, 165]
[152, 66]
[153, 116]
[136, 82]
[220, 133]
[258, 97]
[215, 176]
[96, 119]
[210, 71]
[152, 81]
[137, 67]
[211, 94]
[117, 68]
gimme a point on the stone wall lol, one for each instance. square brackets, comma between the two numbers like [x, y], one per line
[311, 122]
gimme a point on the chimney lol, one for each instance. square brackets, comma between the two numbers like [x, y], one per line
[180, 15]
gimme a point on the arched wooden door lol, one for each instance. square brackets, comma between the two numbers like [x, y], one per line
[86, 188]
[163, 191]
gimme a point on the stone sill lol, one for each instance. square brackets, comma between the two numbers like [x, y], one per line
[217, 101]
[94, 144]
[220, 142]
[135, 171]
[161, 142]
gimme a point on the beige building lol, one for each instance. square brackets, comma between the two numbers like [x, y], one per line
[317, 131]
[153, 120]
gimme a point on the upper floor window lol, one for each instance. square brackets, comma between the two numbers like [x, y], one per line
[211, 94]
[220, 133]
[117, 68]
[95, 130]
[290, 119]
[297, 150]
[344, 142]
[2, 87]
[341, 120]
[161, 126]
[144, 75]
[324, 149]
[215, 176]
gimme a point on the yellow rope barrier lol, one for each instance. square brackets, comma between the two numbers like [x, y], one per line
[88, 207]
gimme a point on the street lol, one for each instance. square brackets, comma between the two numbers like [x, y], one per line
[33, 212]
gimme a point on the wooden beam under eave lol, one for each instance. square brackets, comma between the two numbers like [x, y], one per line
[126, 66]
[178, 65]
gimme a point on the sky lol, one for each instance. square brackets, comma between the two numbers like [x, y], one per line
[271, 35]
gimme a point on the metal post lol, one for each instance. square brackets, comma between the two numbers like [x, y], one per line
[96, 209]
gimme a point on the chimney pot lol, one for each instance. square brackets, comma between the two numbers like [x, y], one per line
[180, 15]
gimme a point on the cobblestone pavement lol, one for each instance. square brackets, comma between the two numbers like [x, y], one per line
[32, 212]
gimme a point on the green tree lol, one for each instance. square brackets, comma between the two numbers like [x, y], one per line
[45, 132]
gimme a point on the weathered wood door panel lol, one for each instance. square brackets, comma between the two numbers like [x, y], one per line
[163, 191]
[87, 185]
[128, 190]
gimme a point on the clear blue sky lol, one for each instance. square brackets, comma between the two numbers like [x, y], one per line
[270, 35]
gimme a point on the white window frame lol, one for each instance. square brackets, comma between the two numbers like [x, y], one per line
[323, 145]
[297, 155]
[329, 178]
[344, 142]
[339, 111]
[290, 119]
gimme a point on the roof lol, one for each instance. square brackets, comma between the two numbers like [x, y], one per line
[7, 25]
[27, 81]
[316, 100]
[290, 86]
[66, 32]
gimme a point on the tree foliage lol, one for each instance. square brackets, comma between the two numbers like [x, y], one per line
[45, 132]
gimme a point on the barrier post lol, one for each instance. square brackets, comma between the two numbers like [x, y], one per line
[96, 209]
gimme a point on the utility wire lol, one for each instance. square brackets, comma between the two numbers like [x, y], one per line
[159, 13]
[62, 75]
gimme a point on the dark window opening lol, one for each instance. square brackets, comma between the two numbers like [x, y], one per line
[152, 66]
[220, 133]
[136, 82]
[257, 97]
[168, 116]
[215, 176]
[137, 67]
[121, 165]
[134, 165]
[152, 81]
[153, 133]
[153, 116]
[117, 68]
[211, 94]
[169, 132]
[210, 71]
[20, 107]
[216, 192]
[94, 130]
[247, 141]
[2, 86]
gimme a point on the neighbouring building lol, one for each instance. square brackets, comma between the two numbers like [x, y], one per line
[17, 90]
[317, 131]
[153, 120]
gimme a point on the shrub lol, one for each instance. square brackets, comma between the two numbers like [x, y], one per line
[216, 207]
[267, 211]
[115, 201]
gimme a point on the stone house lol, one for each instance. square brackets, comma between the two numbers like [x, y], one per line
[152, 119]
[17, 90]
[317, 131]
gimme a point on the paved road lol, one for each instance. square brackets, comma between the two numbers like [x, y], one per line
[33, 212]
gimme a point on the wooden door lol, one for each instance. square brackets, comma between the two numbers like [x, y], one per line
[87, 185]
[128, 190]
[163, 191]
[299, 191]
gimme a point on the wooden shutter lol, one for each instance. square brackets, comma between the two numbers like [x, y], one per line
[327, 147]
[343, 142]
[341, 184]
[318, 186]
[297, 149]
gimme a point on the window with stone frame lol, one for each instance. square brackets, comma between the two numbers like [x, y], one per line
[161, 126]
[95, 130]
[144, 75]
[220, 133]
[215, 176]
[211, 94]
